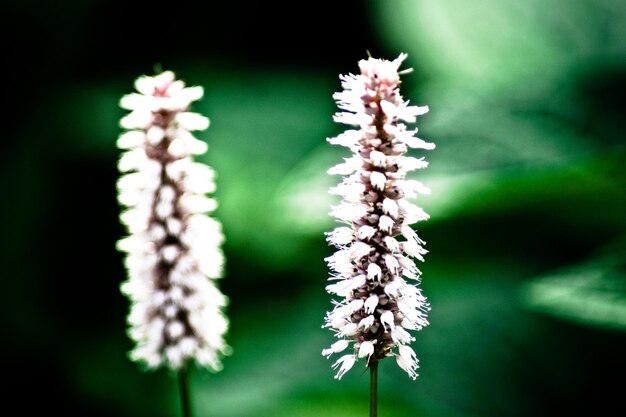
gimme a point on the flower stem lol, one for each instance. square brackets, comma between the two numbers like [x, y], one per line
[374, 388]
[183, 385]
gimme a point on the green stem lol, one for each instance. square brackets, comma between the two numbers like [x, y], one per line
[374, 388]
[183, 385]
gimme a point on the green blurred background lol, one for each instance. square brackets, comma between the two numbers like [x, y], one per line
[526, 272]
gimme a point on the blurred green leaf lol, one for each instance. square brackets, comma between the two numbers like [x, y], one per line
[592, 292]
[262, 127]
[491, 41]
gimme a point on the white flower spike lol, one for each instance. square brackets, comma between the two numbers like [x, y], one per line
[377, 306]
[173, 251]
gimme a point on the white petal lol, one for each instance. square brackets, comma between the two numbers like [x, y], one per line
[164, 209]
[417, 143]
[167, 193]
[409, 163]
[412, 187]
[390, 207]
[169, 253]
[389, 108]
[360, 249]
[178, 148]
[145, 85]
[348, 138]
[391, 262]
[336, 347]
[378, 180]
[392, 288]
[198, 203]
[340, 236]
[136, 101]
[192, 93]
[391, 243]
[387, 318]
[411, 212]
[371, 303]
[174, 356]
[137, 119]
[407, 364]
[408, 232]
[374, 271]
[366, 349]
[358, 119]
[412, 248]
[348, 212]
[340, 261]
[366, 232]
[367, 322]
[162, 80]
[195, 146]
[157, 232]
[399, 60]
[175, 329]
[346, 168]
[349, 329]
[131, 139]
[378, 158]
[355, 305]
[345, 363]
[155, 135]
[409, 269]
[188, 345]
[345, 287]
[407, 353]
[408, 113]
[385, 223]
[399, 335]
[192, 121]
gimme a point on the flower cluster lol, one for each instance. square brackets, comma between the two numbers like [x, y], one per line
[376, 248]
[173, 251]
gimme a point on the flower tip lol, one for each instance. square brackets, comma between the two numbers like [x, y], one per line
[164, 78]
[401, 57]
[399, 60]
[144, 84]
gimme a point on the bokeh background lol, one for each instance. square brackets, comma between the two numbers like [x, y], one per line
[526, 272]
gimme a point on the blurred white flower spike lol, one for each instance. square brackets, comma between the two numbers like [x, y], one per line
[173, 250]
[373, 271]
